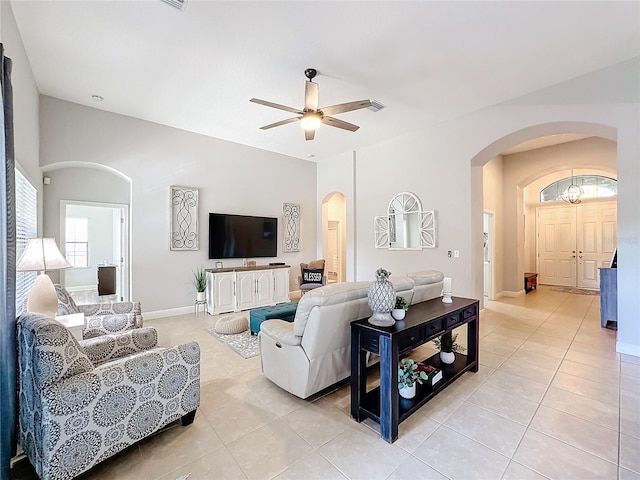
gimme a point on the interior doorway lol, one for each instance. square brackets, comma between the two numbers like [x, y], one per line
[574, 241]
[488, 249]
[334, 211]
[95, 239]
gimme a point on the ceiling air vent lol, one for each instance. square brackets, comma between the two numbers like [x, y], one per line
[375, 106]
[179, 4]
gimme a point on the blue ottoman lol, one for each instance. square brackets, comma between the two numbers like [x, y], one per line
[283, 311]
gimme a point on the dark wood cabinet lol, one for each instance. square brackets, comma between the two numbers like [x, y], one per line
[424, 322]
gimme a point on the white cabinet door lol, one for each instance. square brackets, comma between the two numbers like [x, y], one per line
[264, 287]
[245, 290]
[281, 285]
[223, 292]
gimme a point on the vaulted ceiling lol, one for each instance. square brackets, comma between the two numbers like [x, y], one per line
[427, 62]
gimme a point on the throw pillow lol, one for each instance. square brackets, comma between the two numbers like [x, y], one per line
[316, 264]
[312, 275]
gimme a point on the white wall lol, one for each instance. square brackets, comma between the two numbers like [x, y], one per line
[231, 178]
[492, 199]
[25, 101]
[440, 165]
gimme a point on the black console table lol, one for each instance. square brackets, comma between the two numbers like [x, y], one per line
[424, 322]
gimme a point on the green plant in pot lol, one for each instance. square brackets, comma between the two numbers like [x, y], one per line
[448, 347]
[400, 308]
[200, 283]
[408, 376]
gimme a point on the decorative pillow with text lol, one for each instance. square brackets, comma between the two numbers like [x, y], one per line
[312, 275]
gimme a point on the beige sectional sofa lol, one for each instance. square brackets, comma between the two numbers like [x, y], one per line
[313, 352]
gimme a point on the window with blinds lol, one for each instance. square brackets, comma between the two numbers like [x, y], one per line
[26, 228]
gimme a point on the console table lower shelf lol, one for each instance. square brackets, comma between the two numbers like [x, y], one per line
[424, 322]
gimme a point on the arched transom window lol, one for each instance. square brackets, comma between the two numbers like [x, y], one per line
[593, 186]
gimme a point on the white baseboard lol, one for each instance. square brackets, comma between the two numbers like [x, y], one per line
[170, 312]
[628, 349]
[507, 293]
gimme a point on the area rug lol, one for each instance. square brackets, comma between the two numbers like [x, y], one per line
[244, 344]
[577, 291]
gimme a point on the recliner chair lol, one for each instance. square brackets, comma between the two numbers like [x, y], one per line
[80, 402]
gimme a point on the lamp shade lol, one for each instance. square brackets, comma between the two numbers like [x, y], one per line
[41, 254]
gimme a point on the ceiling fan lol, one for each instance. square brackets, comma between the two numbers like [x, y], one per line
[311, 116]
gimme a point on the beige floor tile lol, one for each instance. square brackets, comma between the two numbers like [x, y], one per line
[541, 359]
[516, 385]
[600, 353]
[471, 460]
[279, 401]
[488, 428]
[220, 392]
[178, 445]
[505, 404]
[415, 430]
[593, 359]
[586, 387]
[630, 422]
[551, 340]
[630, 383]
[587, 408]
[311, 467]
[595, 439]
[630, 453]
[525, 368]
[217, 464]
[606, 377]
[314, 424]
[629, 359]
[414, 469]
[469, 382]
[624, 474]
[269, 450]
[630, 369]
[515, 471]
[441, 406]
[558, 460]
[630, 400]
[488, 359]
[234, 420]
[543, 349]
[358, 455]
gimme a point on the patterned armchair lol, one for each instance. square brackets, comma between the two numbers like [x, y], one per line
[82, 402]
[101, 318]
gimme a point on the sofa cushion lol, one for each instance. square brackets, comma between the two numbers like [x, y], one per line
[426, 277]
[280, 331]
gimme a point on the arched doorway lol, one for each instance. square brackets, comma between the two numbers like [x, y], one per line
[511, 237]
[334, 213]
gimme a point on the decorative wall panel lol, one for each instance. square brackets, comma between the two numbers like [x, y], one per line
[184, 218]
[291, 227]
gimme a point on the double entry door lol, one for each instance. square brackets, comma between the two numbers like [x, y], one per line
[573, 241]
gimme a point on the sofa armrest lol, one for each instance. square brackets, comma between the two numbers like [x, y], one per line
[108, 347]
[280, 331]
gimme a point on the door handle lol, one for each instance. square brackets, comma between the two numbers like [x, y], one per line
[580, 256]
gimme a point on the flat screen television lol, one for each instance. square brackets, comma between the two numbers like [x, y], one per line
[242, 236]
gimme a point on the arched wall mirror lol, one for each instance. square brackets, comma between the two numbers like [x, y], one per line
[406, 226]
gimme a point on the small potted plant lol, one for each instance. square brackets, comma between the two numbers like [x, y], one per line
[448, 347]
[408, 375]
[400, 308]
[200, 284]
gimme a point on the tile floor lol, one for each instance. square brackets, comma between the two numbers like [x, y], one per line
[551, 400]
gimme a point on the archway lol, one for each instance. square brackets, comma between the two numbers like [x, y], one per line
[334, 231]
[513, 263]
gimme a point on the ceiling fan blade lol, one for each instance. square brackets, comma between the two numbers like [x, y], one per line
[311, 96]
[309, 134]
[334, 122]
[276, 105]
[346, 107]
[281, 122]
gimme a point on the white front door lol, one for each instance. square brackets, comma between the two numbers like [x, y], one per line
[597, 238]
[557, 246]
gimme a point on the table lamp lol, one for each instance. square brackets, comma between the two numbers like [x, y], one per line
[42, 254]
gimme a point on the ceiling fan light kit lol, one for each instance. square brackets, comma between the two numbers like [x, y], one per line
[311, 117]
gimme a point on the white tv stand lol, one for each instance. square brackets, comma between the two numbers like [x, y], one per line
[241, 288]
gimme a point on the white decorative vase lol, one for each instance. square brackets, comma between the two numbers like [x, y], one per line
[447, 357]
[408, 392]
[398, 313]
[201, 296]
[381, 299]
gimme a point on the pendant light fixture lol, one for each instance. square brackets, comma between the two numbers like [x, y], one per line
[573, 193]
